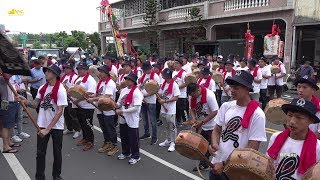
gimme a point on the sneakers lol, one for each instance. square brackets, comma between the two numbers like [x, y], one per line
[165, 143]
[16, 139]
[104, 148]
[67, 131]
[154, 141]
[201, 168]
[88, 146]
[82, 142]
[24, 135]
[172, 147]
[133, 161]
[113, 150]
[122, 156]
[76, 134]
[145, 137]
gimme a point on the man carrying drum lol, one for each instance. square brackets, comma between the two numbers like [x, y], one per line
[226, 91]
[296, 149]
[266, 74]
[257, 77]
[306, 87]
[85, 110]
[106, 87]
[127, 70]
[108, 59]
[148, 108]
[275, 82]
[203, 109]
[239, 123]
[205, 80]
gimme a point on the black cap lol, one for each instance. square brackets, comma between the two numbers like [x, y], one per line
[133, 77]
[146, 66]
[127, 62]
[252, 62]
[275, 57]
[166, 73]
[203, 61]
[157, 65]
[304, 106]
[179, 60]
[68, 65]
[53, 68]
[309, 80]
[205, 70]
[154, 56]
[106, 69]
[244, 60]
[229, 61]
[241, 77]
[108, 56]
[82, 66]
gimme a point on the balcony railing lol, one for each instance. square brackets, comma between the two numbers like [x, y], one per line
[179, 13]
[243, 4]
[137, 20]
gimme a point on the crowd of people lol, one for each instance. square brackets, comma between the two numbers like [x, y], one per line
[228, 113]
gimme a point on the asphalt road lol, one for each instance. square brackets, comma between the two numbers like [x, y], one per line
[156, 162]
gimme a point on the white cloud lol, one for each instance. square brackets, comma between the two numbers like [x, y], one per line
[48, 16]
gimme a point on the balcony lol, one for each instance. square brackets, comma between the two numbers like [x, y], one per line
[134, 21]
[179, 13]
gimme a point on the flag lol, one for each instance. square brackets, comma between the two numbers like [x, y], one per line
[104, 3]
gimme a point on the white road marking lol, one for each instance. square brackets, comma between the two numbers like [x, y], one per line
[15, 165]
[174, 167]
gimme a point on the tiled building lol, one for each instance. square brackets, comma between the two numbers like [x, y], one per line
[225, 22]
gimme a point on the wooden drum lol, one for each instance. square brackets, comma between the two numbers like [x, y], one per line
[217, 77]
[313, 173]
[93, 70]
[190, 78]
[249, 164]
[274, 112]
[106, 104]
[275, 69]
[191, 145]
[151, 86]
[77, 92]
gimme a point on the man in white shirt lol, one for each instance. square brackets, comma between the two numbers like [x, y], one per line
[232, 129]
[169, 93]
[85, 110]
[70, 114]
[205, 80]
[148, 108]
[257, 77]
[203, 109]
[275, 83]
[186, 65]
[179, 75]
[296, 149]
[52, 97]
[242, 65]
[158, 67]
[107, 59]
[130, 101]
[266, 74]
[226, 90]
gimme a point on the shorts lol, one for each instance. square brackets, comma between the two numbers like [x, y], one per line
[8, 117]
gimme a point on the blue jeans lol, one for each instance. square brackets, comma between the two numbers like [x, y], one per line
[148, 112]
[19, 117]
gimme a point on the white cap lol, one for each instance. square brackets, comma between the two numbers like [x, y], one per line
[83, 56]
[49, 55]
[54, 55]
[221, 57]
[33, 58]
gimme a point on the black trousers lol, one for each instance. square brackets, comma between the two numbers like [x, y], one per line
[85, 117]
[277, 89]
[34, 93]
[218, 96]
[182, 110]
[263, 98]
[42, 144]
[70, 116]
[207, 136]
[158, 108]
[108, 127]
[130, 141]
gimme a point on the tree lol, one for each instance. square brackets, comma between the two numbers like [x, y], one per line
[150, 21]
[37, 45]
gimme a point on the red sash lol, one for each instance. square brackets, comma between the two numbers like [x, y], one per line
[233, 72]
[85, 78]
[252, 106]
[255, 71]
[70, 79]
[193, 103]
[170, 86]
[54, 93]
[179, 75]
[144, 75]
[100, 82]
[129, 98]
[207, 83]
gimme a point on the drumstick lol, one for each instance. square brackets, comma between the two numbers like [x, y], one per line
[164, 107]
[22, 104]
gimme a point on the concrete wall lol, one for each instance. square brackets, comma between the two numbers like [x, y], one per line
[307, 11]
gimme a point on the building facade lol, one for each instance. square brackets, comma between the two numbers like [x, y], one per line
[224, 25]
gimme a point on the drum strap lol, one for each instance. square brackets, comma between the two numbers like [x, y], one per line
[255, 71]
[54, 94]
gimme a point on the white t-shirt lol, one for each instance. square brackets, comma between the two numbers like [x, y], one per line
[203, 110]
[256, 86]
[67, 82]
[315, 127]
[236, 65]
[107, 89]
[132, 119]
[153, 98]
[171, 106]
[114, 70]
[228, 93]
[289, 155]
[90, 87]
[179, 81]
[212, 84]
[233, 135]
[240, 68]
[187, 68]
[265, 72]
[271, 81]
[121, 78]
[48, 108]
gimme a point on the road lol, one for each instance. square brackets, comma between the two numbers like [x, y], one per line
[156, 162]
